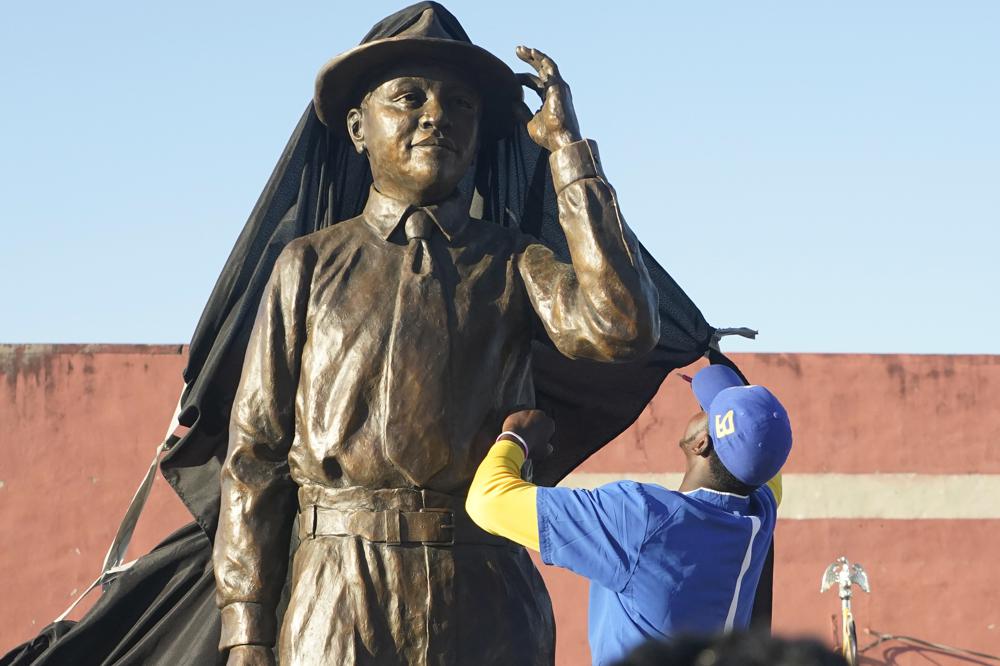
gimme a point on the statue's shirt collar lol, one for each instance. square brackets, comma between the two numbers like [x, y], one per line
[385, 214]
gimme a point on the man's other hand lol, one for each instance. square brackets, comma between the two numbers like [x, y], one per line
[535, 428]
[250, 655]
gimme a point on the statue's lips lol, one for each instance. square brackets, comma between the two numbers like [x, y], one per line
[436, 142]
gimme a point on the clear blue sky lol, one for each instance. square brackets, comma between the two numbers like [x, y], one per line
[827, 172]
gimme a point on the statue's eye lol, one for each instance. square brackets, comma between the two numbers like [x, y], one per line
[464, 103]
[410, 98]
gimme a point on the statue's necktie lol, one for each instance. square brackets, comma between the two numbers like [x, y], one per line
[417, 384]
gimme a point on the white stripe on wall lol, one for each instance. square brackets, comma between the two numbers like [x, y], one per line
[872, 496]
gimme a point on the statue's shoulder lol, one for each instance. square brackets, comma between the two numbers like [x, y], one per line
[326, 240]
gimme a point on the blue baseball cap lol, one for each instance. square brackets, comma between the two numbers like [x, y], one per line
[749, 427]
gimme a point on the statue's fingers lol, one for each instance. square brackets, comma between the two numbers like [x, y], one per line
[536, 59]
[545, 65]
[525, 54]
[533, 82]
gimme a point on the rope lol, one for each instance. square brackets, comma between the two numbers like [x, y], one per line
[114, 562]
[948, 649]
[720, 333]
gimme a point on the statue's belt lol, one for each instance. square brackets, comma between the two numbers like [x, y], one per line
[395, 516]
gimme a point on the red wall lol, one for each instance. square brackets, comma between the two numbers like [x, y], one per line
[80, 423]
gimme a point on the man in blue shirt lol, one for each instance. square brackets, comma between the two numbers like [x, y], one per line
[661, 562]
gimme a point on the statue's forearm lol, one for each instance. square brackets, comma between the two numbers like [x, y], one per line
[604, 305]
[251, 547]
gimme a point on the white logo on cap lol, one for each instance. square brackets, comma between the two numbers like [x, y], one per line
[724, 424]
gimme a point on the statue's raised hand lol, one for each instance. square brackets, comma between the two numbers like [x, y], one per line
[555, 124]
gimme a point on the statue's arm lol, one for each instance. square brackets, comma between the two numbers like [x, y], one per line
[258, 496]
[604, 305]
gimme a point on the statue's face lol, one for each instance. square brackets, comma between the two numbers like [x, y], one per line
[420, 127]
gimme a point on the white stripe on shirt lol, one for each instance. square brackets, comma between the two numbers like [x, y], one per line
[754, 528]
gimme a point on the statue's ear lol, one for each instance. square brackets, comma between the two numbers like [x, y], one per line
[355, 129]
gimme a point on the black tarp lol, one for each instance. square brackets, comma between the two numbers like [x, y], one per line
[162, 610]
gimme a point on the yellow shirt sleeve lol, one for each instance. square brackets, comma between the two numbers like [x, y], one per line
[500, 501]
[775, 486]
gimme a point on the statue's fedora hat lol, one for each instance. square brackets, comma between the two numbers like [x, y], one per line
[422, 32]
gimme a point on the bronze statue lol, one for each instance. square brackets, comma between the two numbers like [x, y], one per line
[386, 353]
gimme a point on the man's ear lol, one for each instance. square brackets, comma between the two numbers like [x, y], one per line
[355, 129]
[702, 444]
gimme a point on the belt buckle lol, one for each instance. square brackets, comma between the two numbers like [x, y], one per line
[392, 527]
[447, 524]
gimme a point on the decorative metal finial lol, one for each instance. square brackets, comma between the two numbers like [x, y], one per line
[845, 575]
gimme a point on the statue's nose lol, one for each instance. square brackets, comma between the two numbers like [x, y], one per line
[433, 115]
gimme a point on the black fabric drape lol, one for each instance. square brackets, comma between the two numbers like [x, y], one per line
[162, 610]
